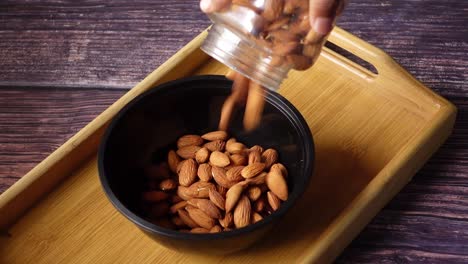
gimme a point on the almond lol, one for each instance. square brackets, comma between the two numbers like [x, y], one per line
[188, 172]
[201, 218]
[185, 217]
[177, 221]
[199, 230]
[159, 209]
[216, 229]
[217, 199]
[217, 145]
[233, 195]
[259, 205]
[269, 157]
[204, 172]
[254, 193]
[176, 207]
[219, 175]
[242, 213]
[201, 189]
[256, 217]
[155, 196]
[273, 200]
[258, 180]
[219, 159]
[184, 193]
[222, 190]
[202, 155]
[229, 143]
[256, 148]
[255, 157]
[206, 206]
[281, 167]
[215, 135]
[168, 185]
[179, 166]
[300, 62]
[238, 159]
[277, 184]
[173, 160]
[188, 152]
[234, 174]
[252, 170]
[189, 140]
[156, 172]
[226, 221]
[235, 148]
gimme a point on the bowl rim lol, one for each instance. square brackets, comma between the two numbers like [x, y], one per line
[275, 99]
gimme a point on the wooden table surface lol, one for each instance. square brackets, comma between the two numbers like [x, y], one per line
[63, 62]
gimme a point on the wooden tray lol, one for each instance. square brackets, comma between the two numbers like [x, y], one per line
[372, 133]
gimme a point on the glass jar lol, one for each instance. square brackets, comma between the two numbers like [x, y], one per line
[264, 39]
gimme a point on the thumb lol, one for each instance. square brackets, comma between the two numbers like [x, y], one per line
[209, 6]
[323, 13]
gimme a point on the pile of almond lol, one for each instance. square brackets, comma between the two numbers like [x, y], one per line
[213, 183]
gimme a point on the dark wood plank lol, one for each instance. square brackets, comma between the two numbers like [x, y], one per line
[97, 49]
[36, 121]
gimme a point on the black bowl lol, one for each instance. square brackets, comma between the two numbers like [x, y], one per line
[146, 128]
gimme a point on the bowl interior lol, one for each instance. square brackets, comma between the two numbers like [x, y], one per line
[148, 127]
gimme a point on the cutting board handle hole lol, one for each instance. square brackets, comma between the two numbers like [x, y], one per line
[350, 56]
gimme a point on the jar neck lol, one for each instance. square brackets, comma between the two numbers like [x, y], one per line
[244, 55]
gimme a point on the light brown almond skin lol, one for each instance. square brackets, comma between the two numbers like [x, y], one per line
[277, 184]
[222, 190]
[234, 174]
[252, 170]
[176, 207]
[199, 230]
[202, 155]
[257, 180]
[188, 172]
[155, 196]
[233, 195]
[217, 199]
[219, 159]
[254, 192]
[227, 220]
[185, 217]
[219, 175]
[235, 148]
[188, 152]
[215, 135]
[216, 229]
[173, 160]
[281, 167]
[255, 157]
[273, 201]
[217, 145]
[168, 185]
[189, 140]
[256, 148]
[269, 157]
[201, 189]
[204, 172]
[238, 160]
[256, 217]
[201, 218]
[242, 212]
[184, 193]
[206, 206]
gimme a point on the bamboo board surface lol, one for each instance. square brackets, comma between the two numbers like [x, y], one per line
[372, 133]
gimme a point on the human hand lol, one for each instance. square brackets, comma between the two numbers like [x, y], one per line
[322, 13]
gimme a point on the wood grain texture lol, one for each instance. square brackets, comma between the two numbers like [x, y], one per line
[98, 45]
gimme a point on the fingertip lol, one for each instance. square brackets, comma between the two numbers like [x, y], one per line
[205, 6]
[322, 25]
